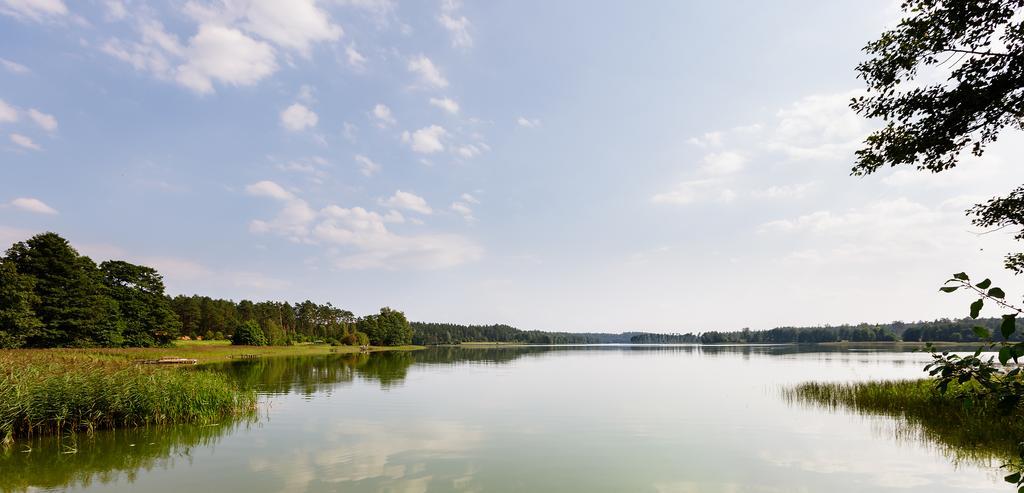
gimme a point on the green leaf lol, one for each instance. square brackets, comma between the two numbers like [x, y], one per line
[1005, 354]
[981, 332]
[976, 308]
[1009, 326]
[996, 293]
[949, 289]
[1013, 478]
[961, 276]
[984, 284]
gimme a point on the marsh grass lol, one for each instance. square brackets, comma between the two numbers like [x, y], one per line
[44, 392]
[964, 426]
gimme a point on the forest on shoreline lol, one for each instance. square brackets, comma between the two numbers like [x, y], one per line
[51, 296]
[942, 330]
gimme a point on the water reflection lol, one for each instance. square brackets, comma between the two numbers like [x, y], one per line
[554, 418]
[104, 458]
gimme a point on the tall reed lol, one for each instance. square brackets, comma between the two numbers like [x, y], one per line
[62, 391]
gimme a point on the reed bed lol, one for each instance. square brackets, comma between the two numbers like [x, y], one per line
[67, 391]
[965, 425]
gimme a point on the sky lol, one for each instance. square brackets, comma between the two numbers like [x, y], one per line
[662, 166]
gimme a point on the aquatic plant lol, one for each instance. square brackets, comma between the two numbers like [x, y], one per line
[66, 391]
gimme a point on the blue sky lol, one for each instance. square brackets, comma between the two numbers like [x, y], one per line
[664, 166]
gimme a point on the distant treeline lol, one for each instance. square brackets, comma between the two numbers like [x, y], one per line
[443, 333]
[51, 296]
[943, 330]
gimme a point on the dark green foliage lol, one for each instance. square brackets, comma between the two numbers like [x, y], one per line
[362, 339]
[249, 334]
[387, 328]
[446, 333]
[306, 321]
[981, 47]
[72, 302]
[664, 339]
[146, 311]
[18, 320]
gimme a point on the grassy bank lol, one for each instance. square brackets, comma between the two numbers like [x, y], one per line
[57, 391]
[221, 351]
[965, 427]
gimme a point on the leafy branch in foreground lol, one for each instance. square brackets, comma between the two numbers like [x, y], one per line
[982, 379]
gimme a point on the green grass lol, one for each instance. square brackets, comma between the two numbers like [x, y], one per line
[965, 427]
[63, 391]
[58, 391]
[221, 351]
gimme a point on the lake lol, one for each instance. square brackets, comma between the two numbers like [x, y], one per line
[563, 418]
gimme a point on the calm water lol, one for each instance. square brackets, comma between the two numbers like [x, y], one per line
[662, 419]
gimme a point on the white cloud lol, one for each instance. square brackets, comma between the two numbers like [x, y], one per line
[33, 205]
[464, 210]
[723, 163]
[226, 55]
[47, 122]
[818, 126]
[708, 139]
[366, 166]
[355, 59]
[427, 72]
[881, 230]
[7, 113]
[408, 201]
[378, 248]
[446, 104]
[458, 26]
[307, 94]
[267, 188]
[469, 151]
[33, 10]
[380, 7]
[360, 239]
[294, 219]
[469, 198]
[115, 10]
[527, 122]
[297, 117]
[14, 67]
[348, 131]
[295, 24]
[312, 167]
[426, 140]
[784, 191]
[691, 191]
[383, 116]
[24, 141]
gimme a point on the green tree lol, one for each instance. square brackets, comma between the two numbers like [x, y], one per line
[18, 321]
[145, 310]
[72, 302]
[387, 328]
[275, 335]
[980, 46]
[368, 325]
[249, 333]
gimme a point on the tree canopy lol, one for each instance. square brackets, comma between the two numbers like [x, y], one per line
[979, 49]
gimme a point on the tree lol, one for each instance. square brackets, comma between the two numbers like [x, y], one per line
[387, 328]
[981, 47]
[146, 311]
[274, 335]
[71, 301]
[18, 321]
[249, 334]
